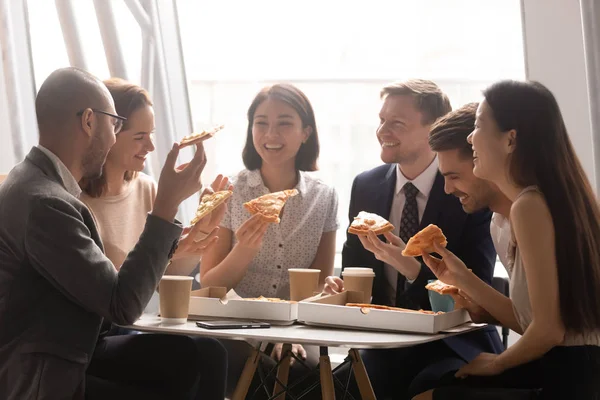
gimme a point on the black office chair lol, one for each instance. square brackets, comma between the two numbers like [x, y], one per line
[501, 285]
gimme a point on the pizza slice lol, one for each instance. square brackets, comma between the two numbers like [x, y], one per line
[423, 241]
[451, 290]
[441, 287]
[270, 205]
[198, 137]
[209, 203]
[388, 308]
[365, 222]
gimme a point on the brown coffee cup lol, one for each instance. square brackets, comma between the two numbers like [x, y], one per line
[174, 293]
[303, 283]
[359, 280]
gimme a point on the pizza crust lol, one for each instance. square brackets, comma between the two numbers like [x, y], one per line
[209, 203]
[365, 222]
[269, 299]
[197, 137]
[364, 307]
[423, 241]
[270, 205]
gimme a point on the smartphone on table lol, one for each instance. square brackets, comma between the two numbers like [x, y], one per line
[232, 324]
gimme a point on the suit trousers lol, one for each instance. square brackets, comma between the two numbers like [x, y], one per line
[157, 366]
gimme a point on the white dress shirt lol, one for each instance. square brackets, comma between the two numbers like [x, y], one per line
[424, 183]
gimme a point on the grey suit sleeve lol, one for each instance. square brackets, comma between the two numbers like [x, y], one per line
[60, 247]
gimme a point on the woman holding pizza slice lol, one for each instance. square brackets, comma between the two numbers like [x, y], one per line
[521, 144]
[120, 200]
[253, 255]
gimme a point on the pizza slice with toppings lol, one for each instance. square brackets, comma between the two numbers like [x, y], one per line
[209, 203]
[198, 137]
[270, 205]
[365, 222]
[423, 241]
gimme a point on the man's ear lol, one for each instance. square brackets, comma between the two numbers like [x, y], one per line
[88, 121]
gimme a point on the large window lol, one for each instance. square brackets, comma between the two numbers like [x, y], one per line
[340, 53]
[48, 47]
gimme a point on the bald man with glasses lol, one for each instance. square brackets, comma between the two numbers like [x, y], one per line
[56, 285]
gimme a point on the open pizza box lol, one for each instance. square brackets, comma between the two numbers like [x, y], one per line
[332, 311]
[217, 303]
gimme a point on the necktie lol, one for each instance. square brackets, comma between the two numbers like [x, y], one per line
[409, 225]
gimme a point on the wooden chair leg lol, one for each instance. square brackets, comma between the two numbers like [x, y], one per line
[283, 371]
[327, 389]
[360, 373]
[241, 389]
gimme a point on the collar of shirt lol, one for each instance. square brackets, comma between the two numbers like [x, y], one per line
[67, 177]
[255, 179]
[423, 182]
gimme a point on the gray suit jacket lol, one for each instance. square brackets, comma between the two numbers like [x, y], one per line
[56, 285]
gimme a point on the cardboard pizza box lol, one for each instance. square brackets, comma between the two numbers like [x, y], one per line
[331, 311]
[216, 302]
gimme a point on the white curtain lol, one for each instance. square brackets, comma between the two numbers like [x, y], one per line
[590, 12]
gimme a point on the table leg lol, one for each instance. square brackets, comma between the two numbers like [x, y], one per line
[241, 389]
[327, 388]
[360, 374]
[283, 371]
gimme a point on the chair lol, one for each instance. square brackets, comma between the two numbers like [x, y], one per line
[501, 285]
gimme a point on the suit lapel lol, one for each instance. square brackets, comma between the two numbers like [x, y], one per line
[384, 195]
[435, 203]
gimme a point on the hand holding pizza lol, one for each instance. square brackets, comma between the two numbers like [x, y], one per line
[219, 184]
[449, 269]
[391, 253]
[251, 233]
[190, 247]
[178, 183]
[477, 313]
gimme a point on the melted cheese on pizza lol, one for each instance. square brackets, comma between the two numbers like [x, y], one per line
[210, 202]
[270, 205]
[423, 241]
[365, 222]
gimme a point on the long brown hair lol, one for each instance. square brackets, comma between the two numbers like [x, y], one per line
[544, 156]
[128, 98]
[306, 159]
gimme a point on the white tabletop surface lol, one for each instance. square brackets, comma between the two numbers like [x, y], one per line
[298, 334]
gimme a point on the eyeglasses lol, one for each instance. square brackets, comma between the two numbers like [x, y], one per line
[118, 120]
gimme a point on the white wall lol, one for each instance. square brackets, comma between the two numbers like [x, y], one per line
[554, 54]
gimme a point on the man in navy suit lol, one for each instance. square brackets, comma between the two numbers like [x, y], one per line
[409, 191]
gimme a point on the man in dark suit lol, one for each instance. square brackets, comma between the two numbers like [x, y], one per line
[56, 285]
[409, 192]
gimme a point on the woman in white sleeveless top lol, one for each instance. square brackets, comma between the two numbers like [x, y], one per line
[521, 144]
